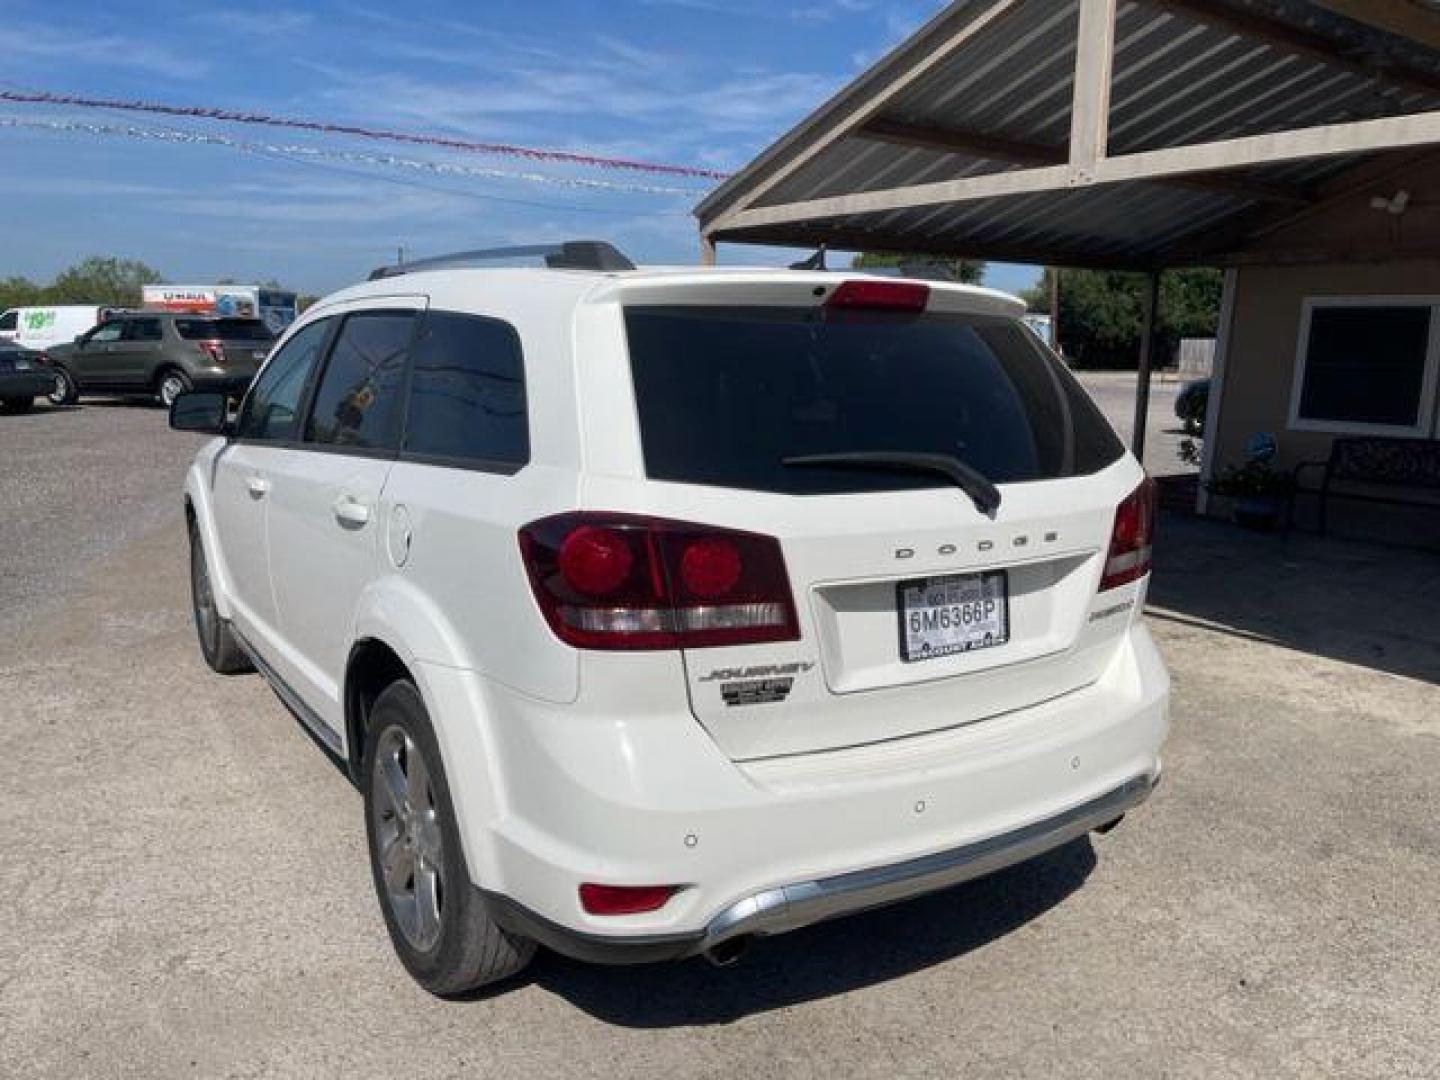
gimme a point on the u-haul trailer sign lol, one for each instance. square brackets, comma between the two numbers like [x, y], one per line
[277, 308]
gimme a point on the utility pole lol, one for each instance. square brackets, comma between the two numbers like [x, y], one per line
[400, 255]
[1149, 334]
[1053, 273]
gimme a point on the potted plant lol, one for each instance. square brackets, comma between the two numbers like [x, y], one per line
[1258, 492]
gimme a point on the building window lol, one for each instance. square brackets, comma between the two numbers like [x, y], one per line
[1367, 364]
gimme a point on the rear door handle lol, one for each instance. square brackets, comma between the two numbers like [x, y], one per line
[350, 511]
[258, 486]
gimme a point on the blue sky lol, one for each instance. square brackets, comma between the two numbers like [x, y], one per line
[696, 82]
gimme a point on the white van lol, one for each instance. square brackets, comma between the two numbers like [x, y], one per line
[41, 327]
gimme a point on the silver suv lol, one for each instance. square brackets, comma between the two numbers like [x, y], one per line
[160, 354]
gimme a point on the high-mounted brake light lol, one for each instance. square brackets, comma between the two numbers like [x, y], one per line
[1132, 538]
[905, 296]
[620, 581]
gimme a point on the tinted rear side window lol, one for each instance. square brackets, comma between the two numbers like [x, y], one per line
[357, 403]
[223, 329]
[467, 392]
[724, 395]
[143, 330]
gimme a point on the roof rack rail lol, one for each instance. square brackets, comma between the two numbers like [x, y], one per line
[568, 255]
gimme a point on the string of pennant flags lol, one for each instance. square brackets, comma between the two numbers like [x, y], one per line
[566, 157]
[352, 157]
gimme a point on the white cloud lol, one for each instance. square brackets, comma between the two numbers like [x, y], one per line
[48, 45]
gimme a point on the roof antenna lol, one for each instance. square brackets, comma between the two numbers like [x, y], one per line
[814, 262]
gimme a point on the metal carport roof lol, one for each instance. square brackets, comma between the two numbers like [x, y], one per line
[1192, 124]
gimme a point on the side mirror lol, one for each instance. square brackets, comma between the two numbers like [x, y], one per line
[79, 339]
[207, 413]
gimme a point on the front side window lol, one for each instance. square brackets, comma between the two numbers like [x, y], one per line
[467, 392]
[143, 330]
[357, 403]
[1365, 366]
[270, 408]
[10, 320]
[108, 332]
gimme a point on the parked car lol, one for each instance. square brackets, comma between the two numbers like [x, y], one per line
[656, 611]
[160, 354]
[48, 325]
[1190, 405]
[24, 376]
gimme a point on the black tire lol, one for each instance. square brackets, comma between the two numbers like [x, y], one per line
[457, 947]
[66, 391]
[218, 643]
[17, 404]
[170, 383]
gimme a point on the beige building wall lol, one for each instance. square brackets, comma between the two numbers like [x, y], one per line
[1343, 247]
[1264, 337]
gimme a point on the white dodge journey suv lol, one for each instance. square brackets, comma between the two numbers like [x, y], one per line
[655, 611]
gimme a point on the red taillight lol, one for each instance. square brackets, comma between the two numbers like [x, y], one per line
[215, 349]
[595, 561]
[710, 567]
[616, 581]
[624, 899]
[1132, 538]
[880, 296]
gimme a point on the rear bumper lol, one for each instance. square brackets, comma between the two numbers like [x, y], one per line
[25, 384]
[636, 793]
[790, 907]
[225, 380]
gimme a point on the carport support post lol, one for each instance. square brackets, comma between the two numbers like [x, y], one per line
[1147, 352]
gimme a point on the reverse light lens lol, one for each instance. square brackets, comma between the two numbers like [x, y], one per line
[1132, 538]
[618, 581]
[624, 899]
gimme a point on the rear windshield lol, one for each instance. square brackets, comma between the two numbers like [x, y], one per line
[726, 394]
[223, 329]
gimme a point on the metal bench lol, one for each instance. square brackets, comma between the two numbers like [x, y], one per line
[1374, 460]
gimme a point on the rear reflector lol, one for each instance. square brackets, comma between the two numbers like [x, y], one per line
[624, 899]
[619, 581]
[1132, 538]
[880, 296]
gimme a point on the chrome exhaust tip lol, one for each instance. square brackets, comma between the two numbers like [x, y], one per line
[728, 952]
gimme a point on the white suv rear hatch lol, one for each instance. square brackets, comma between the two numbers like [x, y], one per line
[921, 604]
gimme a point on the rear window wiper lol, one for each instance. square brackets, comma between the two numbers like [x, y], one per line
[984, 494]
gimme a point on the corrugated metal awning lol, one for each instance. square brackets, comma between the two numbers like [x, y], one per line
[962, 141]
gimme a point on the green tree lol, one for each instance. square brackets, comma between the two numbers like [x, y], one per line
[98, 280]
[19, 292]
[969, 271]
[1101, 313]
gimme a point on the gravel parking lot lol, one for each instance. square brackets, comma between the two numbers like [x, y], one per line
[186, 893]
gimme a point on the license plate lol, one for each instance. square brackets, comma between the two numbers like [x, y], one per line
[942, 616]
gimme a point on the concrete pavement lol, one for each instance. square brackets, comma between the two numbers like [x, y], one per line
[185, 889]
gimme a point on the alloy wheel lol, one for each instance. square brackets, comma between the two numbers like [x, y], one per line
[171, 387]
[409, 844]
[60, 393]
[207, 619]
